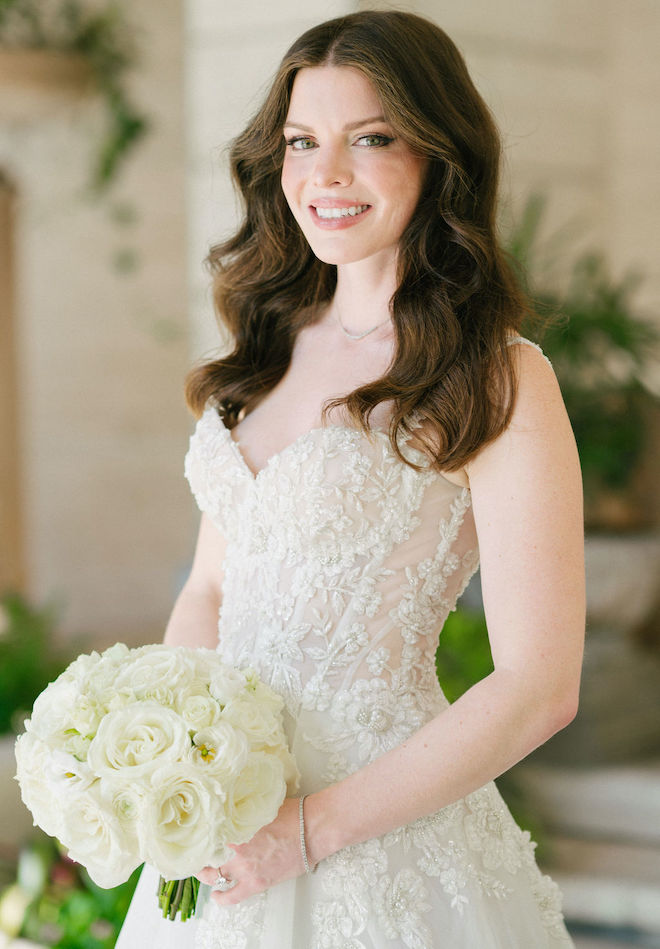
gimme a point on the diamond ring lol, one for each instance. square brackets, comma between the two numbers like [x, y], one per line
[223, 883]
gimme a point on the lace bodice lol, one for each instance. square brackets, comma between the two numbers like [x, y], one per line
[352, 560]
[342, 563]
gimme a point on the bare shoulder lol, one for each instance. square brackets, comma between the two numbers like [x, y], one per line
[532, 468]
[539, 418]
[539, 422]
[538, 396]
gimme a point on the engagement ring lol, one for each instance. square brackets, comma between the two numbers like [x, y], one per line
[223, 883]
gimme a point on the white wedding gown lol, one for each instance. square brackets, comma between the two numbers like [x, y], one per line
[342, 565]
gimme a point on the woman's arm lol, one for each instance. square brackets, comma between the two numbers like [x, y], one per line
[194, 619]
[527, 500]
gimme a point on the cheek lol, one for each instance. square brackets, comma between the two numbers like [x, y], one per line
[413, 174]
[290, 179]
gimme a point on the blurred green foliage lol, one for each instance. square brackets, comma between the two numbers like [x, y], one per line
[463, 655]
[59, 905]
[29, 658]
[601, 349]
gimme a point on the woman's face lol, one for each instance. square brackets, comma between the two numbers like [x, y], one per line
[351, 183]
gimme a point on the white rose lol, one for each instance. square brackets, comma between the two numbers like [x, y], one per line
[256, 796]
[225, 683]
[290, 771]
[197, 706]
[182, 829]
[131, 742]
[221, 750]
[260, 723]
[262, 692]
[96, 838]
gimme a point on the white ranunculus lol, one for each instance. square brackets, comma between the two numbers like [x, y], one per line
[79, 670]
[51, 713]
[157, 672]
[256, 796]
[131, 742]
[183, 822]
[117, 654]
[32, 759]
[127, 802]
[221, 750]
[85, 715]
[96, 838]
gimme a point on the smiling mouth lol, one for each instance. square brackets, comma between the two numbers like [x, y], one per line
[328, 214]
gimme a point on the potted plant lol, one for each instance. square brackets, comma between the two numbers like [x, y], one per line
[603, 351]
[66, 44]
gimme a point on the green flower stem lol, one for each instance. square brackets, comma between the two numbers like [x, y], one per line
[178, 896]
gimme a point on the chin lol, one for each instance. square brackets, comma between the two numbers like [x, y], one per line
[338, 256]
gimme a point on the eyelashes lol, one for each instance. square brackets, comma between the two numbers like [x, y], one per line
[377, 140]
[303, 143]
[300, 143]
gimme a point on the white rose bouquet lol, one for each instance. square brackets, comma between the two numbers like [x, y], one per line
[161, 755]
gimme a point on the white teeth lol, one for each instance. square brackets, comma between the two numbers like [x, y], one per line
[341, 212]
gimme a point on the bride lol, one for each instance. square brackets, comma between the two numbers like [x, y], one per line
[378, 428]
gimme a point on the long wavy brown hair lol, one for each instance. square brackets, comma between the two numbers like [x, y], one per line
[456, 300]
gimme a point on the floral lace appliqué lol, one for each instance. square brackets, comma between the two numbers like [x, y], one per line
[342, 564]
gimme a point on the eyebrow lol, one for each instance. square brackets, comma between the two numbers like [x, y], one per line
[290, 123]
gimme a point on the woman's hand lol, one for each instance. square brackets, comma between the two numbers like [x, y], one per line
[273, 855]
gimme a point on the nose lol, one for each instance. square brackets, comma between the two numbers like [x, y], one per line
[332, 167]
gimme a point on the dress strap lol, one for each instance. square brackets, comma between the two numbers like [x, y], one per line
[522, 340]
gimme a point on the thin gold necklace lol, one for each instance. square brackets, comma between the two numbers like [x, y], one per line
[358, 336]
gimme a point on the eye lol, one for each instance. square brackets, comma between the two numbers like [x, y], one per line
[300, 143]
[374, 141]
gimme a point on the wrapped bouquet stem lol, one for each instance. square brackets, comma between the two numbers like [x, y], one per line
[160, 754]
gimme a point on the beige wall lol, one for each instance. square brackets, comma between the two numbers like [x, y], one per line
[101, 353]
[575, 88]
[231, 52]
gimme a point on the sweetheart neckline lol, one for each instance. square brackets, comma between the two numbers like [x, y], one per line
[255, 476]
[308, 434]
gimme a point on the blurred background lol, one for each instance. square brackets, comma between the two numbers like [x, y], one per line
[113, 183]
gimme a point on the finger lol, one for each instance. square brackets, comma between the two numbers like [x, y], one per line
[230, 897]
[208, 875]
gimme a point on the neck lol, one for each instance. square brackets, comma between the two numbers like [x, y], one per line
[362, 298]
